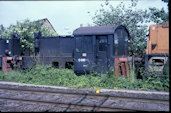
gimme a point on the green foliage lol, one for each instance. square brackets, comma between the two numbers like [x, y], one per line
[26, 30]
[132, 19]
[165, 1]
[131, 74]
[158, 16]
[135, 20]
[47, 75]
[166, 68]
[2, 29]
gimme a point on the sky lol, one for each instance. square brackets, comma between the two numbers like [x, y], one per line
[65, 16]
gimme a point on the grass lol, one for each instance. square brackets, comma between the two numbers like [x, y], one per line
[1, 72]
[47, 75]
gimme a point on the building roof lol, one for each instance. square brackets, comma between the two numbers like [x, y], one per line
[47, 23]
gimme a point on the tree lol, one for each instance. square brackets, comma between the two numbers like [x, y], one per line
[26, 31]
[158, 16]
[166, 1]
[132, 19]
[2, 29]
[135, 20]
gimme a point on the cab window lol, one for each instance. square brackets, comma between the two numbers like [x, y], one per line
[102, 42]
[84, 44]
[79, 44]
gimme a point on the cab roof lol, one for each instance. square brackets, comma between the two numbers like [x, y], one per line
[96, 30]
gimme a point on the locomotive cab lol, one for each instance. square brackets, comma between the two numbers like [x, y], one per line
[97, 47]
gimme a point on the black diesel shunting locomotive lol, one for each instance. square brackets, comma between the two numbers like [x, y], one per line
[90, 49]
[98, 47]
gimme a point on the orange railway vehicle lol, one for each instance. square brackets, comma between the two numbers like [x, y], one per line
[157, 54]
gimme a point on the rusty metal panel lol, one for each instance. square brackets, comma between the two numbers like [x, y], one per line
[8, 63]
[158, 39]
[163, 39]
[122, 66]
[6, 66]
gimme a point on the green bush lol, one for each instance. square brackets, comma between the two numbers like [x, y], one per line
[47, 75]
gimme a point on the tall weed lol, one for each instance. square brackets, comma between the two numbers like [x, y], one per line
[48, 75]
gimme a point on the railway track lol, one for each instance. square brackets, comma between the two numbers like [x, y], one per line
[23, 97]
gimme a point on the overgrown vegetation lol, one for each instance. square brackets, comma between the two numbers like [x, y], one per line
[47, 75]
